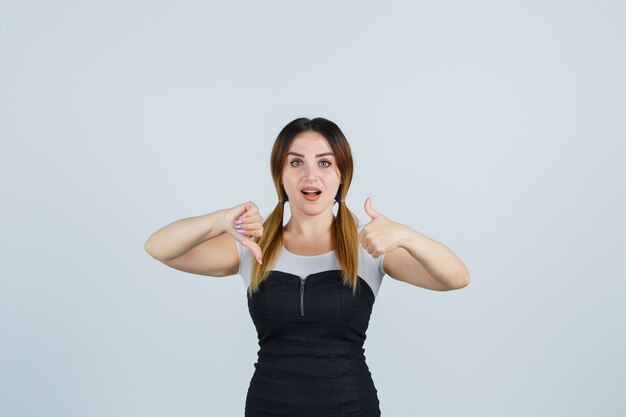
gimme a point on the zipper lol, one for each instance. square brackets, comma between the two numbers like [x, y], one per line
[302, 279]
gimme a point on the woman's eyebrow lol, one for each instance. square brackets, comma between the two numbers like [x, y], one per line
[317, 156]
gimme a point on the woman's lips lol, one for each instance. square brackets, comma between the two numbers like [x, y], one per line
[311, 196]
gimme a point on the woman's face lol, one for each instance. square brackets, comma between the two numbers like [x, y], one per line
[310, 164]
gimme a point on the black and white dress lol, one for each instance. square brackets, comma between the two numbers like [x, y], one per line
[311, 331]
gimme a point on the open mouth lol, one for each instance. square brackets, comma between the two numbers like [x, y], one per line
[311, 193]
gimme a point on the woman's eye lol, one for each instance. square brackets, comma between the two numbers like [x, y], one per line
[322, 162]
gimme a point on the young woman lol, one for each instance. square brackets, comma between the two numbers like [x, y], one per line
[311, 283]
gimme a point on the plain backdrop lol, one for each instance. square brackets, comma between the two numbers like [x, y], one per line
[494, 127]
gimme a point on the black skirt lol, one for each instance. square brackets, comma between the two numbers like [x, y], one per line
[311, 360]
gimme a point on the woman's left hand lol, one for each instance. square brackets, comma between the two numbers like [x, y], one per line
[381, 234]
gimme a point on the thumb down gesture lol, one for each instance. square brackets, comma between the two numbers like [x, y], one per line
[243, 223]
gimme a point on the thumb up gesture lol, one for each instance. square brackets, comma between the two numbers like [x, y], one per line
[380, 235]
[244, 222]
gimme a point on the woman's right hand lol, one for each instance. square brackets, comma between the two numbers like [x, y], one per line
[244, 222]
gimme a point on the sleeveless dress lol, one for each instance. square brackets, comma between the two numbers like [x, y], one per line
[311, 331]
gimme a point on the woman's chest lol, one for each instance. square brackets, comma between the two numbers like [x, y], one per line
[319, 297]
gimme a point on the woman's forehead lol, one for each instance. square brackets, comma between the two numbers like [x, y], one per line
[309, 144]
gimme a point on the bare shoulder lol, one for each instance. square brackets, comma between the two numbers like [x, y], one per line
[217, 257]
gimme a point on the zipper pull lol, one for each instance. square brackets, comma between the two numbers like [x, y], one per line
[302, 295]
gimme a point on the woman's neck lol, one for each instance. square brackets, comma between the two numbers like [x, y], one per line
[309, 227]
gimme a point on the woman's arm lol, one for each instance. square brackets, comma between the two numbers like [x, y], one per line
[411, 256]
[207, 244]
[181, 236]
[424, 262]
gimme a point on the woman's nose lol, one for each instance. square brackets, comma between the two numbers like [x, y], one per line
[311, 174]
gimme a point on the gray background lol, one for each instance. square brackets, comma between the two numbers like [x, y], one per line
[496, 128]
